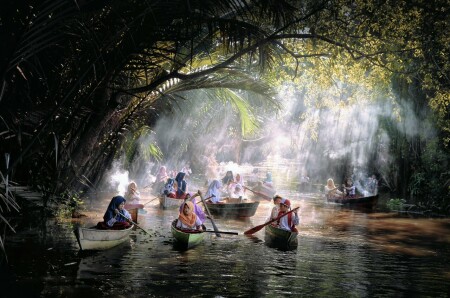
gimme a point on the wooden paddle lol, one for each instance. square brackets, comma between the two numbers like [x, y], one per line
[128, 219]
[258, 193]
[207, 199]
[209, 214]
[151, 200]
[221, 232]
[257, 228]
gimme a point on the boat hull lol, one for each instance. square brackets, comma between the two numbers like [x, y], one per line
[133, 209]
[186, 239]
[369, 202]
[96, 239]
[280, 238]
[230, 209]
[169, 203]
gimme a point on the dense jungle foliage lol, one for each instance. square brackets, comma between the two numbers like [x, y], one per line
[81, 81]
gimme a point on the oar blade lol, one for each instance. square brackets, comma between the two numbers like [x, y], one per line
[254, 230]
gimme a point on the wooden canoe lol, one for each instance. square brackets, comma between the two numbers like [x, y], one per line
[263, 191]
[186, 239]
[233, 208]
[96, 239]
[169, 203]
[357, 201]
[280, 238]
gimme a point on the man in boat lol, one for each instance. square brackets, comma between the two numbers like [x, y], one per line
[187, 219]
[289, 221]
[116, 216]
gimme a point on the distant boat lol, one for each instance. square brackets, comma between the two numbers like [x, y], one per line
[233, 208]
[97, 239]
[186, 239]
[280, 238]
[264, 191]
[368, 202]
[167, 202]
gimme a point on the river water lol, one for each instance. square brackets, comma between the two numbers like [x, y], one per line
[341, 253]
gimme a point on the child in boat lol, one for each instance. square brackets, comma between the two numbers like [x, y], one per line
[181, 190]
[289, 221]
[268, 181]
[132, 195]
[169, 188]
[214, 191]
[276, 208]
[331, 191]
[116, 216]
[188, 220]
[349, 188]
[197, 209]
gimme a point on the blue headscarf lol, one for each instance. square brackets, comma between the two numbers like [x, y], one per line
[268, 177]
[181, 183]
[113, 205]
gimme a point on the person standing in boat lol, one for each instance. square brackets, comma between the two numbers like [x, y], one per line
[181, 189]
[197, 208]
[287, 222]
[276, 208]
[187, 219]
[132, 194]
[116, 216]
[349, 188]
[332, 191]
[214, 191]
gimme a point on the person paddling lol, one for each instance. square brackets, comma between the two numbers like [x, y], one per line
[289, 221]
[116, 216]
[187, 219]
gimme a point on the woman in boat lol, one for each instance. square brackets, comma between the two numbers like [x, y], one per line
[268, 181]
[331, 190]
[237, 191]
[349, 188]
[289, 221]
[116, 216]
[228, 179]
[181, 189]
[188, 220]
[132, 194]
[197, 209]
[161, 178]
[276, 208]
[214, 191]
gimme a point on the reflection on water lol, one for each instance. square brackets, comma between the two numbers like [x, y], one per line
[341, 252]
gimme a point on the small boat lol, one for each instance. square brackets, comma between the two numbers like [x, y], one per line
[186, 239]
[167, 202]
[263, 191]
[134, 210]
[280, 238]
[233, 208]
[97, 239]
[360, 201]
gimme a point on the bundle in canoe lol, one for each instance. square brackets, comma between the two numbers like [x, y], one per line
[186, 239]
[280, 238]
[97, 239]
[169, 203]
[233, 208]
[357, 201]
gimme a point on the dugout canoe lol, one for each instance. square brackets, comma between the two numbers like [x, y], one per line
[280, 238]
[97, 239]
[186, 239]
[359, 201]
[233, 208]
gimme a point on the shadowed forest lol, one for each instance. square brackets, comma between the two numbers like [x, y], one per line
[334, 87]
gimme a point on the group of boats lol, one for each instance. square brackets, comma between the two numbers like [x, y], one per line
[96, 239]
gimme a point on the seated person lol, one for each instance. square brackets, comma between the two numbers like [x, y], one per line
[276, 208]
[331, 191]
[349, 188]
[236, 191]
[132, 195]
[169, 189]
[289, 221]
[181, 189]
[214, 191]
[268, 181]
[116, 216]
[198, 210]
[187, 219]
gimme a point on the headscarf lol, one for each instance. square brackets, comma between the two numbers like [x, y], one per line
[132, 190]
[330, 183]
[268, 177]
[162, 174]
[228, 178]
[197, 209]
[181, 183]
[188, 220]
[214, 189]
[113, 205]
[239, 179]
